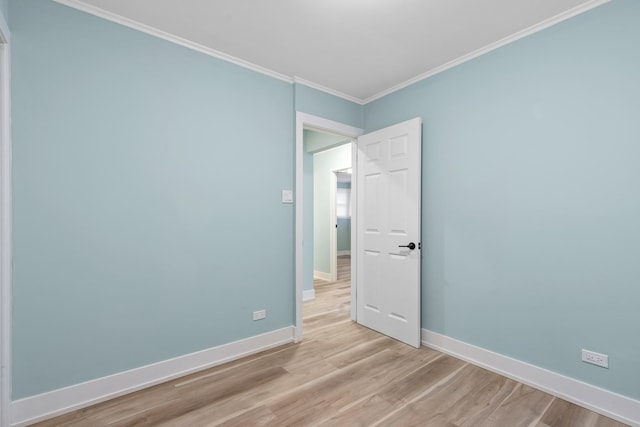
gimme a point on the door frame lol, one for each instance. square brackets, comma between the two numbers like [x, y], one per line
[5, 225]
[314, 122]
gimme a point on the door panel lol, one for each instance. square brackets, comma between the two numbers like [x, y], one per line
[388, 216]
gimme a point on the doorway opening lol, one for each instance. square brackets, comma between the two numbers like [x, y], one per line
[338, 138]
[326, 278]
[386, 178]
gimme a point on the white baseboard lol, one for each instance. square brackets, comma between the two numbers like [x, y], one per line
[308, 295]
[341, 253]
[610, 404]
[322, 275]
[47, 405]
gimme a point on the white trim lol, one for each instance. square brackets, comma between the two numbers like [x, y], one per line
[492, 46]
[330, 91]
[5, 225]
[309, 295]
[57, 402]
[110, 16]
[342, 253]
[354, 228]
[319, 123]
[118, 19]
[147, 29]
[607, 403]
[307, 120]
[322, 275]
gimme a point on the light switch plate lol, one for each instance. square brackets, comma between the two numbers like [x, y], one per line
[287, 196]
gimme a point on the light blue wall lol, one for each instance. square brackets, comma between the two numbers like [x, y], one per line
[4, 10]
[531, 204]
[130, 242]
[324, 163]
[307, 249]
[321, 104]
[315, 141]
[144, 176]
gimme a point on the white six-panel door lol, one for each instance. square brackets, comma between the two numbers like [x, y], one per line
[388, 217]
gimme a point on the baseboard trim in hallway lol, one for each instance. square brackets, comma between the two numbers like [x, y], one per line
[605, 402]
[322, 275]
[308, 295]
[57, 402]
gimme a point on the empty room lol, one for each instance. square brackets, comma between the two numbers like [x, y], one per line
[157, 208]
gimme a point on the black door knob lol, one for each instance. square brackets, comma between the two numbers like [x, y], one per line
[411, 246]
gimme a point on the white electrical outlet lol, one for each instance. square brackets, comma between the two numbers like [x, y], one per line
[259, 315]
[595, 358]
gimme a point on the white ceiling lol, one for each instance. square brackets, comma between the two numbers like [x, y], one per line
[359, 48]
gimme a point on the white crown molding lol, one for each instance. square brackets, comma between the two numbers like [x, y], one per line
[330, 91]
[605, 402]
[101, 13]
[110, 16]
[130, 23]
[491, 47]
[57, 402]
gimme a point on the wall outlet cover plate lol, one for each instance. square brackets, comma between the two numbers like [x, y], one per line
[287, 196]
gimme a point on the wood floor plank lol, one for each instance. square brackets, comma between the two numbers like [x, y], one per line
[523, 407]
[313, 403]
[356, 352]
[362, 412]
[397, 393]
[299, 372]
[206, 395]
[260, 416]
[454, 400]
[564, 414]
[341, 374]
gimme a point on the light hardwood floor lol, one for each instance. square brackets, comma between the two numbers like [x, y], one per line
[342, 374]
